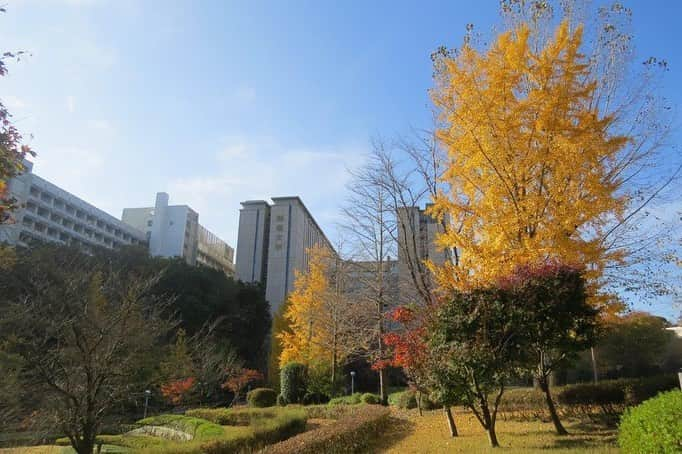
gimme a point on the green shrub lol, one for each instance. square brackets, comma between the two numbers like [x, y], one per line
[369, 398]
[261, 397]
[293, 382]
[280, 400]
[315, 399]
[654, 426]
[353, 433]
[630, 391]
[353, 399]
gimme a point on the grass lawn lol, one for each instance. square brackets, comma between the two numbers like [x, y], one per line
[411, 433]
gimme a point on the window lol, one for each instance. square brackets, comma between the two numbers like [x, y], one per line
[149, 223]
[279, 227]
[280, 218]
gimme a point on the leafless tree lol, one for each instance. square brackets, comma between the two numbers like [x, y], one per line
[81, 332]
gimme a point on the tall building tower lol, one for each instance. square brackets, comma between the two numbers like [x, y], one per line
[252, 241]
[273, 243]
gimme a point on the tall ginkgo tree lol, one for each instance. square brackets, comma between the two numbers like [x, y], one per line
[321, 320]
[534, 171]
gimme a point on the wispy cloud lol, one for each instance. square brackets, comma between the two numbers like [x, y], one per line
[247, 169]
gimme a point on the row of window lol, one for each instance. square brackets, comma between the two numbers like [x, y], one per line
[52, 233]
[77, 213]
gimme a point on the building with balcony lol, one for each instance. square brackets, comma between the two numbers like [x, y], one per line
[48, 213]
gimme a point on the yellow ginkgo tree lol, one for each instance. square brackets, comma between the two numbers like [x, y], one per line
[321, 328]
[534, 171]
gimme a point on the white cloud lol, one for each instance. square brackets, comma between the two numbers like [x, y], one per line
[260, 169]
[71, 104]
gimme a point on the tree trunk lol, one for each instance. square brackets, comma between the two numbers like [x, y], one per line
[544, 385]
[382, 386]
[451, 421]
[418, 398]
[489, 425]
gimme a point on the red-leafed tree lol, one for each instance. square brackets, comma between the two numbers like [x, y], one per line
[408, 345]
[239, 379]
[12, 151]
[177, 390]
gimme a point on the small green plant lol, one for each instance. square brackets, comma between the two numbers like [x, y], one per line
[654, 426]
[261, 397]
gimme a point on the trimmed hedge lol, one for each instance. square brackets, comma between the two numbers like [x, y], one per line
[233, 416]
[261, 397]
[608, 398]
[654, 426]
[197, 427]
[266, 431]
[353, 433]
[353, 399]
[293, 379]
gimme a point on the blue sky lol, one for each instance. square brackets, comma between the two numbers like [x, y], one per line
[217, 102]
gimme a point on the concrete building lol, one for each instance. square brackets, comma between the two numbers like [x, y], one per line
[174, 231]
[417, 233]
[272, 244]
[48, 213]
[214, 252]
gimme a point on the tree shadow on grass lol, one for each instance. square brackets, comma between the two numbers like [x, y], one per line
[397, 430]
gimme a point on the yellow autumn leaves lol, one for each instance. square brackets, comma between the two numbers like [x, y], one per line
[532, 167]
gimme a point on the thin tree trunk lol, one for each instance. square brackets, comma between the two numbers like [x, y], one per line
[451, 421]
[544, 385]
[489, 425]
[418, 398]
[382, 386]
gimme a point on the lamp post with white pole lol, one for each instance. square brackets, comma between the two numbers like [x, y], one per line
[352, 382]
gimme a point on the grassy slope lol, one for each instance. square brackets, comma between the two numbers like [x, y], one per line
[411, 433]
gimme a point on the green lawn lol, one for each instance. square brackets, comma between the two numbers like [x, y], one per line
[411, 433]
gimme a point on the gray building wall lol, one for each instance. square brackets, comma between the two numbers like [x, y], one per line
[252, 241]
[273, 243]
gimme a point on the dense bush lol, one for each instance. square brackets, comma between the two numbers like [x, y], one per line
[315, 399]
[261, 397]
[293, 382]
[353, 433]
[369, 398]
[353, 399]
[654, 426]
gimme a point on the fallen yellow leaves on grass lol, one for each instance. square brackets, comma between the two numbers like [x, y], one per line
[411, 433]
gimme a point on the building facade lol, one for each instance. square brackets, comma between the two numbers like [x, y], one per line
[273, 242]
[48, 213]
[174, 231]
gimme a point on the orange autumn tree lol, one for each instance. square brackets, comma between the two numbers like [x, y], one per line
[533, 171]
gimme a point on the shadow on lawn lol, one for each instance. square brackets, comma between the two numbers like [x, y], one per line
[397, 430]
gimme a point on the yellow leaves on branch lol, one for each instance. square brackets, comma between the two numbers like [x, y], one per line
[303, 341]
[532, 167]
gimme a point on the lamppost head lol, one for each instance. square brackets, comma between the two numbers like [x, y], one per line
[352, 373]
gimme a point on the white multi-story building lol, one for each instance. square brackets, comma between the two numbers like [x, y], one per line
[47, 213]
[273, 243]
[174, 231]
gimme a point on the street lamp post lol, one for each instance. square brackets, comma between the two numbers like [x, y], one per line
[352, 382]
[147, 395]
